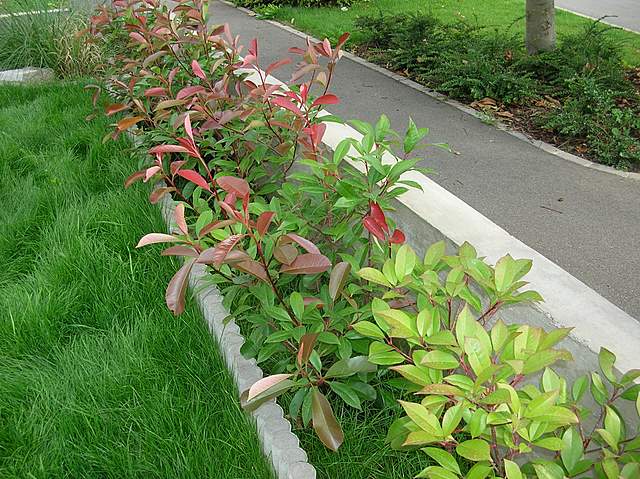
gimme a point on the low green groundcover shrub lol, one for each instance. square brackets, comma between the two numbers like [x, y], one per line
[585, 73]
[333, 303]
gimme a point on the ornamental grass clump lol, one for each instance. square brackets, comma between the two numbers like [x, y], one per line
[333, 303]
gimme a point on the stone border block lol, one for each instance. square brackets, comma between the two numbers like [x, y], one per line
[278, 442]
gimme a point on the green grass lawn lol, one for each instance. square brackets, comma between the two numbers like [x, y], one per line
[97, 378]
[331, 22]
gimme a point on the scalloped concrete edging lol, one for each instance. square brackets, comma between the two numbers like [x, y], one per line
[546, 147]
[278, 442]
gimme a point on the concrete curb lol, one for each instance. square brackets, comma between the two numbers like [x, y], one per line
[278, 442]
[546, 147]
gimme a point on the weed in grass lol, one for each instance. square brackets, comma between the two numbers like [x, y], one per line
[97, 379]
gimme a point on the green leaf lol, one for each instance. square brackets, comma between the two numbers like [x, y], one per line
[612, 424]
[324, 421]
[556, 415]
[405, 261]
[374, 276]
[384, 355]
[402, 325]
[368, 329]
[437, 359]
[478, 471]
[423, 418]
[598, 389]
[437, 472]
[579, 387]
[443, 458]
[509, 270]
[416, 374]
[413, 136]
[297, 304]
[474, 450]
[348, 367]
[452, 418]
[338, 278]
[477, 425]
[341, 150]
[607, 359]
[572, 450]
[296, 403]
[434, 254]
[540, 403]
[347, 394]
[512, 470]
[551, 443]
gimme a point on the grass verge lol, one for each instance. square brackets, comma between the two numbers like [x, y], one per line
[333, 21]
[97, 379]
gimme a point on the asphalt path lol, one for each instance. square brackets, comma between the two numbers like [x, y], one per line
[623, 13]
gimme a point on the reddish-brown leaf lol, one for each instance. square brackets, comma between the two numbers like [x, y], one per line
[177, 287]
[155, 91]
[236, 256]
[178, 214]
[157, 194]
[285, 253]
[216, 255]
[275, 65]
[307, 342]
[115, 108]
[137, 176]
[153, 57]
[254, 268]
[338, 278]
[231, 184]
[127, 123]
[168, 149]
[150, 172]
[324, 421]
[153, 238]
[180, 250]
[263, 222]
[188, 91]
[215, 226]
[307, 264]
[194, 177]
[378, 216]
[305, 243]
[197, 70]
[163, 105]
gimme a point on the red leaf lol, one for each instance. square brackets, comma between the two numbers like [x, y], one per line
[343, 38]
[178, 214]
[115, 108]
[397, 237]
[177, 287]
[216, 225]
[231, 184]
[156, 91]
[275, 65]
[378, 216]
[216, 256]
[168, 149]
[308, 263]
[138, 38]
[197, 70]
[236, 256]
[180, 250]
[263, 222]
[153, 238]
[305, 243]
[287, 104]
[253, 47]
[328, 99]
[374, 228]
[194, 177]
[187, 127]
[137, 176]
[188, 91]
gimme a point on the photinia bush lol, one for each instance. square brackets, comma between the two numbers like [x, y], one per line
[332, 302]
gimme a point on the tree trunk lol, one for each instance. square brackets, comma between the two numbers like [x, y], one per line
[541, 26]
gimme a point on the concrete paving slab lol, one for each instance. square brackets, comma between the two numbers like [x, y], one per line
[585, 220]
